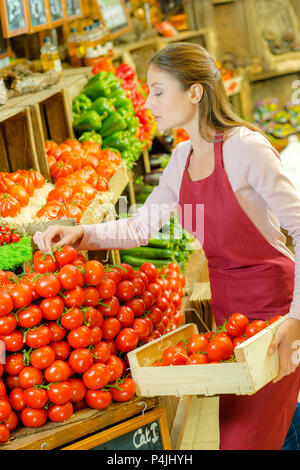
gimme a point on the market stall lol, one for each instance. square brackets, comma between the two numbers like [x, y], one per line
[78, 146]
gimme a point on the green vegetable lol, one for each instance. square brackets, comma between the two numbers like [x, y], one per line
[81, 103]
[159, 243]
[159, 263]
[102, 84]
[89, 121]
[113, 123]
[103, 105]
[119, 98]
[118, 140]
[147, 252]
[91, 136]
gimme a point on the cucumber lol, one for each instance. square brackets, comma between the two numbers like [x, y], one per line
[159, 243]
[147, 252]
[159, 263]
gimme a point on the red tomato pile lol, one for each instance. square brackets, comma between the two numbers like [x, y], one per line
[16, 189]
[80, 171]
[8, 236]
[210, 347]
[67, 328]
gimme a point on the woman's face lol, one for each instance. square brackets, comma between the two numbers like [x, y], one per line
[168, 103]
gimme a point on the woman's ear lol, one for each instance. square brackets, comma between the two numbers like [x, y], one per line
[195, 93]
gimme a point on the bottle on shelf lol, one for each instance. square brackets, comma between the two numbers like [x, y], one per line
[50, 59]
[74, 48]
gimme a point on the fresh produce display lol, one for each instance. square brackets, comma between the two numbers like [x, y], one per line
[104, 108]
[213, 347]
[277, 121]
[14, 248]
[16, 189]
[67, 327]
[80, 169]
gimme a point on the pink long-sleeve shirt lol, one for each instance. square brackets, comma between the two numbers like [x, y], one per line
[263, 191]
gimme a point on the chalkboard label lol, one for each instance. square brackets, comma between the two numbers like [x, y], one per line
[146, 437]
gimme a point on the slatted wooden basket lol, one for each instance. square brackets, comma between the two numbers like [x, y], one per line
[254, 367]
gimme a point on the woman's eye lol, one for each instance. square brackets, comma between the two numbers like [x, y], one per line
[158, 93]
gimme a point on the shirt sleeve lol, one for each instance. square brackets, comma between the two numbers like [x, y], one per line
[264, 173]
[137, 230]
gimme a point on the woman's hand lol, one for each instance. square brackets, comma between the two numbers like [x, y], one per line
[60, 234]
[287, 340]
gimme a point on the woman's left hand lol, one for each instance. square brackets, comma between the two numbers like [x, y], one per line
[287, 340]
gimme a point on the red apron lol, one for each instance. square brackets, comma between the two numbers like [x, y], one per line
[250, 276]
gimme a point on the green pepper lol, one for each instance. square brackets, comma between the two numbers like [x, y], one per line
[113, 123]
[91, 136]
[132, 123]
[89, 121]
[100, 85]
[119, 98]
[118, 140]
[127, 110]
[103, 105]
[81, 103]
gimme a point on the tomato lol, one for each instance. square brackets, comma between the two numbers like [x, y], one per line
[91, 297]
[38, 179]
[112, 346]
[66, 255]
[12, 421]
[113, 274]
[96, 335]
[57, 332]
[16, 399]
[3, 279]
[254, 327]
[60, 393]
[126, 340]
[110, 328]
[68, 276]
[125, 290]
[175, 355]
[238, 340]
[197, 342]
[116, 367]
[129, 272]
[19, 193]
[35, 398]
[197, 358]
[9, 205]
[73, 318]
[111, 307]
[5, 409]
[150, 270]
[106, 289]
[174, 267]
[125, 316]
[141, 328]
[94, 272]
[137, 305]
[127, 391]
[12, 381]
[30, 376]
[220, 347]
[38, 337]
[162, 304]
[60, 193]
[59, 413]
[7, 324]
[102, 352]
[14, 364]
[44, 263]
[60, 169]
[4, 433]
[236, 325]
[98, 399]
[148, 299]
[2, 389]
[48, 286]
[29, 317]
[80, 360]
[79, 337]
[97, 376]
[74, 297]
[139, 285]
[14, 341]
[58, 371]
[61, 349]
[33, 418]
[42, 357]
[274, 319]
[176, 300]
[78, 390]
[52, 308]
[91, 315]
[21, 296]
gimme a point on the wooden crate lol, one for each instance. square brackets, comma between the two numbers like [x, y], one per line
[254, 367]
[17, 143]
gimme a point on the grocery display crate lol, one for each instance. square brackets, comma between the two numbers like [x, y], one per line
[253, 368]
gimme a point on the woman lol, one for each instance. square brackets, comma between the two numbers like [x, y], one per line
[230, 169]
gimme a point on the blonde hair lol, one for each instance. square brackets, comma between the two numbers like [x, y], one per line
[190, 63]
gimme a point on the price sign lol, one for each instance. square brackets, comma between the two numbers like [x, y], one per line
[115, 15]
[13, 17]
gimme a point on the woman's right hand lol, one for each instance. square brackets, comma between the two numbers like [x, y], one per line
[59, 234]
